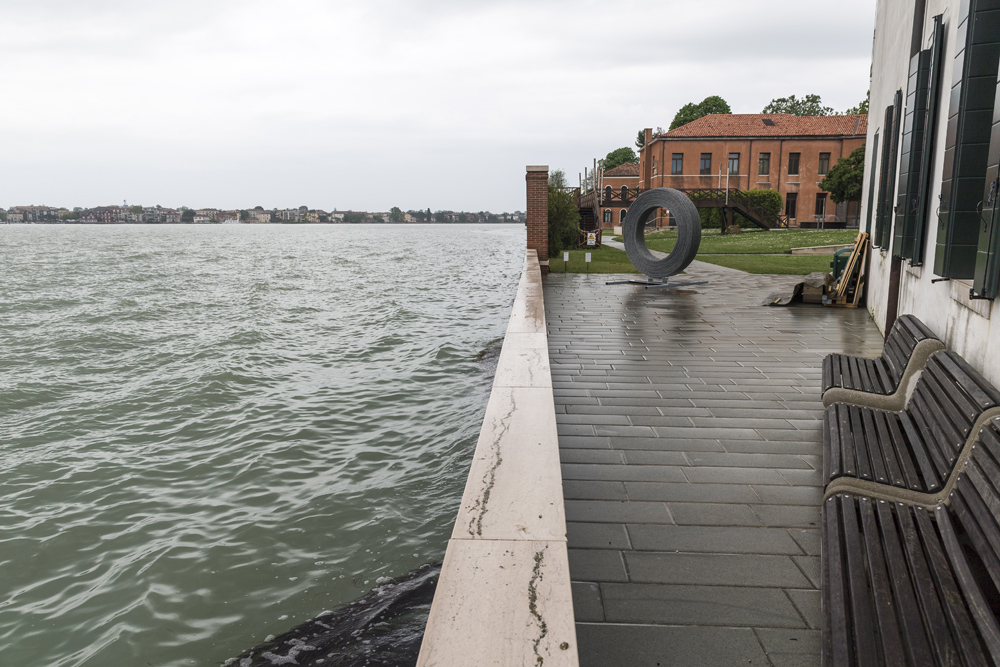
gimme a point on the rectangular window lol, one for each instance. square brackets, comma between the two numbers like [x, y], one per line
[706, 164]
[918, 137]
[887, 177]
[820, 204]
[734, 163]
[824, 164]
[790, 200]
[764, 164]
[793, 164]
[677, 163]
[966, 156]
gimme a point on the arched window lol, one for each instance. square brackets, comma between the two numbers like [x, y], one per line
[607, 216]
[607, 192]
[621, 216]
[624, 193]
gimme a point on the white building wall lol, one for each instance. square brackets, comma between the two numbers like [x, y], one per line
[965, 325]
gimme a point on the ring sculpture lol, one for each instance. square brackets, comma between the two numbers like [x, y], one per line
[684, 213]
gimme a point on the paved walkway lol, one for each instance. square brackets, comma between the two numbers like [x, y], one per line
[690, 436]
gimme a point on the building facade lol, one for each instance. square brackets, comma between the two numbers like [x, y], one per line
[782, 152]
[619, 186]
[930, 187]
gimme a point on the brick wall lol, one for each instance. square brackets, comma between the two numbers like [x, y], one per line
[537, 219]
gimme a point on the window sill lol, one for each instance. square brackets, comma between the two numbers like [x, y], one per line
[960, 293]
[915, 271]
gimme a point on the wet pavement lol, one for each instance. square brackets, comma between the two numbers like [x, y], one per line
[690, 435]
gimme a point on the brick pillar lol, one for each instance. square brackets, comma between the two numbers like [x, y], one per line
[537, 217]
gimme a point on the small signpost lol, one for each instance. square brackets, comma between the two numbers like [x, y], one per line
[586, 258]
[565, 261]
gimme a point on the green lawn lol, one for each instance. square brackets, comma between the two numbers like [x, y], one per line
[603, 260]
[793, 265]
[754, 242]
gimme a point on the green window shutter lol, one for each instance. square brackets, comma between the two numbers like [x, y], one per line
[887, 180]
[919, 129]
[970, 114]
[912, 145]
[987, 278]
[871, 185]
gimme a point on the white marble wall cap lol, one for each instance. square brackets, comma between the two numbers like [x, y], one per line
[524, 361]
[501, 603]
[537, 167]
[514, 490]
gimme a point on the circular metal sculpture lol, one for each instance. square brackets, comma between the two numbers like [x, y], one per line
[684, 213]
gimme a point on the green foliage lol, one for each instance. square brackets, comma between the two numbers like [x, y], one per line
[353, 217]
[862, 107]
[557, 179]
[756, 242]
[396, 214]
[620, 156]
[640, 139]
[137, 209]
[769, 200]
[187, 214]
[692, 111]
[792, 265]
[3, 214]
[810, 105]
[603, 260]
[244, 215]
[71, 215]
[845, 178]
[564, 218]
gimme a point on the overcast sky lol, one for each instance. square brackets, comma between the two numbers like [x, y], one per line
[368, 105]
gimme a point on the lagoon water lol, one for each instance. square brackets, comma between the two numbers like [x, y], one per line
[209, 434]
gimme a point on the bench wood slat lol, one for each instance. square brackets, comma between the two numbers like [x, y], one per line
[892, 646]
[862, 455]
[916, 448]
[889, 451]
[931, 434]
[944, 446]
[965, 405]
[835, 602]
[917, 643]
[934, 617]
[831, 434]
[982, 535]
[951, 598]
[847, 466]
[875, 448]
[981, 502]
[898, 442]
[885, 376]
[865, 648]
[983, 394]
[985, 621]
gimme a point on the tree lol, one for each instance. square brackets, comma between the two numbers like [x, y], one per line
[620, 156]
[810, 105]
[245, 215]
[72, 215]
[844, 179]
[395, 214]
[564, 218]
[137, 209]
[187, 215]
[692, 111]
[640, 139]
[862, 107]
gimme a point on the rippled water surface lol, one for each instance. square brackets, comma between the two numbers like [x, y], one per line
[209, 434]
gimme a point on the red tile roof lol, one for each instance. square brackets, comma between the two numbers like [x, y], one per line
[780, 125]
[627, 169]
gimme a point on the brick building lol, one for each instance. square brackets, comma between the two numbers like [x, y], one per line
[790, 154]
[619, 185]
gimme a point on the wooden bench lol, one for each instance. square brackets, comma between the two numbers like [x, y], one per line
[916, 582]
[915, 448]
[883, 382]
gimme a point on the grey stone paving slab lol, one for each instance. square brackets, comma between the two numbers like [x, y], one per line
[620, 645]
[692, 493]
[587, 605]
[712, 539]
[596, 565]
[716, 412]
[809, 604]
[638, 473]
[788, 648]
[701, 605]
[597, 536]
[715, 569]
[617, 512]
[580, 489]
